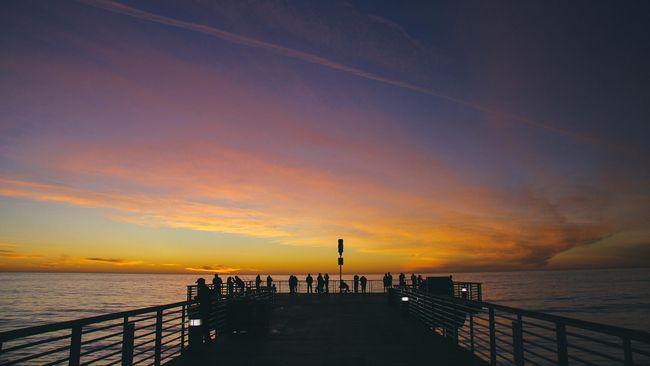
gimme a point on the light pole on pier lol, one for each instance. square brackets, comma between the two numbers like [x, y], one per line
[340, 265]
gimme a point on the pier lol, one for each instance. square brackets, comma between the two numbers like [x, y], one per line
[400, 325]
[334, 330]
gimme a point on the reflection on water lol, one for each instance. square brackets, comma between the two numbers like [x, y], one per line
[617, 297]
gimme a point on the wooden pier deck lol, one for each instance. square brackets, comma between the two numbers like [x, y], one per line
[334, 330]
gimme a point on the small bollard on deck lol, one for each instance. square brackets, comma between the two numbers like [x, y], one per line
[194, 332]
[404, 305]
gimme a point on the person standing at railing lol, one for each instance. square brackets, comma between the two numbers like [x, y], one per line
[204, 296]
[293, 284]
[231, 285]
[420, 282]
[290, 282]
[240, 284]
[320, 282]
[326, 278]
[258, 283]
[414, 281]
[309, 280]
[388, 281]
[402, 280]
[269, 282]
[363, 280]
[356, 284]
[217, 283]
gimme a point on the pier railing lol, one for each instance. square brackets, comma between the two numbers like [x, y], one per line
[503, 335]
[465, 290]
[148, 336]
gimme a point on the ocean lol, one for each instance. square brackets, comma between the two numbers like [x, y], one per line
[618, 297]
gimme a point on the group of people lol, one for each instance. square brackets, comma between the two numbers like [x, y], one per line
[235, 285]
[416, 281]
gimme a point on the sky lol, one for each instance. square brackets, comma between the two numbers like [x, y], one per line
[248, 136]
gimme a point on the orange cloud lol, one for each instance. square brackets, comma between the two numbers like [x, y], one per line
[113, 261]
[213, 269]
[9, 252]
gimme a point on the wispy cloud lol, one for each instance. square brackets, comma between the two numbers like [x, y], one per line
[152, 210]
[120, 8]
[113, 261]
[213, 269]
[10, 252]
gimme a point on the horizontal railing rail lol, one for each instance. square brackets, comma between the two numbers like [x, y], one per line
[503, 335]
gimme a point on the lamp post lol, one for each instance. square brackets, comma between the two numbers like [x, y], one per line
[340, 265]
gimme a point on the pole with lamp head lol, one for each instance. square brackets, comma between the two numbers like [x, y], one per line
[340, 265]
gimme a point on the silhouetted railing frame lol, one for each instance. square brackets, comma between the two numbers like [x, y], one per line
[511, 336]
[162, 335]
[473, 290]
[153, 317]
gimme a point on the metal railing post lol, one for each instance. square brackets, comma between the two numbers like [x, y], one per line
[75, 346]
[518, 342]
[493, 340]
[627, 350]
[128, 334]
[183, 330]
[562, 353]
[471, 332]
[158, 349]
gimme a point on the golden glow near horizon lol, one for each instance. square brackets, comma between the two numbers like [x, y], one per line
[173, 146]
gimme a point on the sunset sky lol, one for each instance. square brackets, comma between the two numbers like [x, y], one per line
[248, 136]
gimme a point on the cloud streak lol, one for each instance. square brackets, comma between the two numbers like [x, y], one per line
[120, 8]
[214, 269]
[113, 261]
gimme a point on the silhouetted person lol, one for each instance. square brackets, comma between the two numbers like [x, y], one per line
[204, 295]
[414, 281]
[420, 282]
[290, 282]
[389, 280]
[269, 281]
[326, 278]
[320, 282]
[356, 284]
[217, 282]
[309, 280]
[293, 284]
[385, 281]
[402, 280]
[363, 280]
[344, 287]
[231, 285]
[258, 282]
[240, 284]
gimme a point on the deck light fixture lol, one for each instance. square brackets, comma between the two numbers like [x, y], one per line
[405, 298]
[194, 331]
